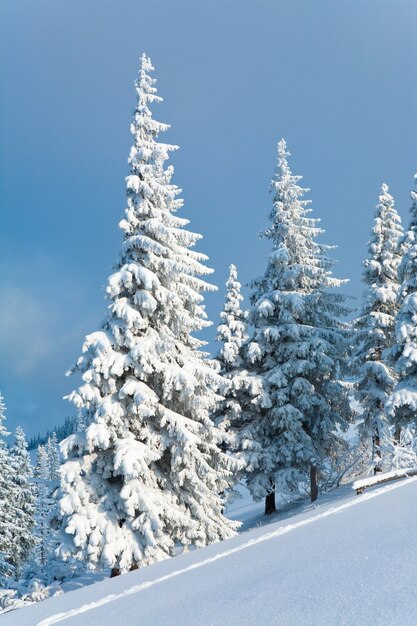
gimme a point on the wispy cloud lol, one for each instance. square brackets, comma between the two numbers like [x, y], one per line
[26, 335]
[43, 316]
[45, 312]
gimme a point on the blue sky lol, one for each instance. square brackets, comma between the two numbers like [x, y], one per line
[336, 79]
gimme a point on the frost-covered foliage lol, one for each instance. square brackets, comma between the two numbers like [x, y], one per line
[17, 504]
[232, 332]
[45, 567]
[53, 456]
[20, 595]
[401, 405]
[45, 508]
[399, 449]
[351, 453]
[143, 477]
[24, 501]
[376, 324]
[291, 397]
[8, 511]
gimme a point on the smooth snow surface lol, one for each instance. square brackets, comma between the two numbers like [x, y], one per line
[350, 560]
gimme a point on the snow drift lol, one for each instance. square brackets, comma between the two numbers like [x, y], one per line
[348, 560]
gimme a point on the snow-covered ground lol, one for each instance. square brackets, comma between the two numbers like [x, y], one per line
[346, 560]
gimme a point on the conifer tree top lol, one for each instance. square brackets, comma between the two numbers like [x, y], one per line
[375, 325]
[3, 431]
[402, 403]
[382, 264]
[232, 330]
[408, 266]
[289, 398]
[297, 261]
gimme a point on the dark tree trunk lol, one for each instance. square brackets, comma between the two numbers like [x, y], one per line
[270, 502]
[377, 453]
[397, 434]
[116, 571]
[314, 490]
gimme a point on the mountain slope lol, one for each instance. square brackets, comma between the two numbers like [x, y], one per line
[349, 560]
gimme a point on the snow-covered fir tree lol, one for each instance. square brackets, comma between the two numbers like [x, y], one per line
[55, 566]
[8, 511]
[24, 500]
[401, 405]
[376, 323]
[232, 332]
[6, 571]
[41, 468]
[44, 565]
[52, 451]
[291, 397]
[44, 511]
[145, 475]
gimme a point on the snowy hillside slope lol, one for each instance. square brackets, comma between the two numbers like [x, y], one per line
[347, 560]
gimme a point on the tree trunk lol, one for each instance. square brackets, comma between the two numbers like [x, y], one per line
[377, 452]
[114, 572]
[397, 434]
[314, 490]
[270, 502]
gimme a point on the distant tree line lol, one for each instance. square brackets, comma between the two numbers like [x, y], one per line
[60, 431]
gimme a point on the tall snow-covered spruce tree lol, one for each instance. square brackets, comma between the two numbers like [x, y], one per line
[376, 323]
[232, 334]
[52, 451]
[292, 400]
[24, 500]
[45, 507]
[44, 564]
[144, 476]
[8, 510]
[401, 405]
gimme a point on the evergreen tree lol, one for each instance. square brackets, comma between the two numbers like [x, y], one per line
[44, 510]
[232, 331]
[44, 564]
[376, 324]
[24, 500]
[6, 570]
[8, 511]
[291, 397]
[53, 460]
[52, 451]
[145, 474]
[401, 405]
[41, 469]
